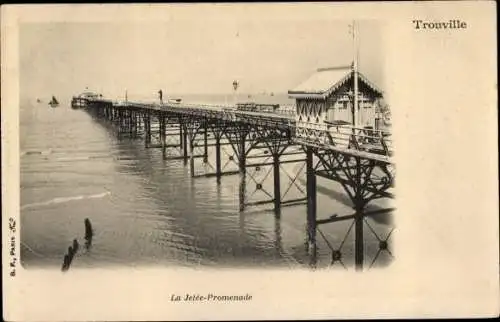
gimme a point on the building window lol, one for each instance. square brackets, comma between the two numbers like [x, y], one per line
[344, 105]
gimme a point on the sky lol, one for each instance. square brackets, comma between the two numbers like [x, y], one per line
[189, 56]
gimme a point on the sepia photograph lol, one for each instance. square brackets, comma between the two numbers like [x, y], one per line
[194, 144]
[237, 161]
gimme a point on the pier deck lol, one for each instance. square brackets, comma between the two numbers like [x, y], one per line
[282, 119]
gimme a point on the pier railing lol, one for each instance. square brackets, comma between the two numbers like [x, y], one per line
[368, 143]
[361, 142]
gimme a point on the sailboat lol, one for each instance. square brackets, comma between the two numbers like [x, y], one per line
[54, 102]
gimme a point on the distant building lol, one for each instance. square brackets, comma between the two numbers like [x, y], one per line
[326, 98]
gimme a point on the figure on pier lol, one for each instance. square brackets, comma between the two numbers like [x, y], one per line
[160, 94]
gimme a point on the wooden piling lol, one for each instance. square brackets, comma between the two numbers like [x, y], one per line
[311, 205]
[242, 171]
[131, 122]
[358, 220]
[184, 144]
[162, 136]
[205, 143]
[191, 154]
[147, 129]
[218, 169]
[277, 184]
[181, 136]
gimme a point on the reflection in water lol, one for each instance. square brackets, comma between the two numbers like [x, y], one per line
[277, 234]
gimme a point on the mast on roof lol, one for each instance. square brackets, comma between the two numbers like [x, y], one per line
[355, 120]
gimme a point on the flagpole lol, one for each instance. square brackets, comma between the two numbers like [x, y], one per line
[355, 75]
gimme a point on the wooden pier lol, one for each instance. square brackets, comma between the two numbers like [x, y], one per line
[359, 159]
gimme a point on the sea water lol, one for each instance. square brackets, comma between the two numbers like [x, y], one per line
[148, 211]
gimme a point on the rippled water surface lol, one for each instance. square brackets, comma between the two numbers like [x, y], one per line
[146, 210]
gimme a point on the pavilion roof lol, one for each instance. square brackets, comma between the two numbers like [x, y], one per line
[325, 81]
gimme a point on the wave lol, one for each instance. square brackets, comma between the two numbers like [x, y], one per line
[83, 158]
[59, 200]
[23, 244]
[64, 159]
